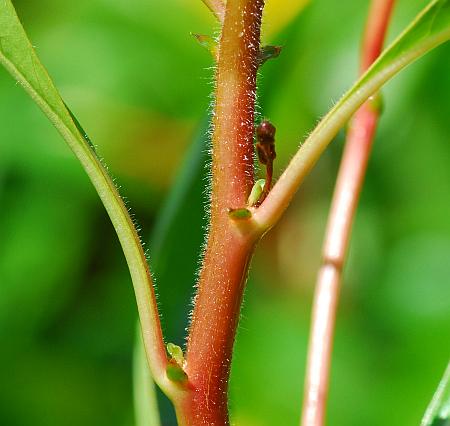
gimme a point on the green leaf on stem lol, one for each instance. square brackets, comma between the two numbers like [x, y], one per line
[20, 60]
[428, 30]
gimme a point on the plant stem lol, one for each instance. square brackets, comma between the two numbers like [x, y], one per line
[348, 188]
[375, 32]
[222, 278]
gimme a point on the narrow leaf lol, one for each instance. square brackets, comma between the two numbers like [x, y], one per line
[428, 30]
[20, 60]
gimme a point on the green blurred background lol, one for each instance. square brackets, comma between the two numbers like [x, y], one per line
[140, 86]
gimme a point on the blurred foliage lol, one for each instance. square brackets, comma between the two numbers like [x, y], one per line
[139, 85]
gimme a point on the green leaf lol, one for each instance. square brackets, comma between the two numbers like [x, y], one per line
[20, 60]
[430, 29]
[438, 412]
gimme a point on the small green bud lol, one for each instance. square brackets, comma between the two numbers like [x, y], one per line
[176, 353]
[174, 369]
[175, 373]
[238, 214]
[256, 192]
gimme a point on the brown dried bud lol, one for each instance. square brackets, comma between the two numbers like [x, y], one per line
[265, 132]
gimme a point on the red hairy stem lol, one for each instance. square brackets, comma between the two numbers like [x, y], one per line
[222, 278]
[345, 200]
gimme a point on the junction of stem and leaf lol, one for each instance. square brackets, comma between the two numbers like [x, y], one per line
[203, 372]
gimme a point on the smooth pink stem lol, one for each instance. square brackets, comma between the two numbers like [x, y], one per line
[344, 204]
[345, 200]
[374, 34]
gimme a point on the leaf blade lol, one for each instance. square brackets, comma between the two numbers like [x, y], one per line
[20, 60]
